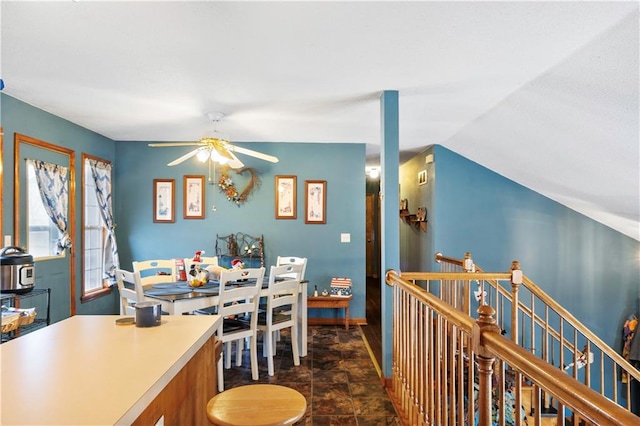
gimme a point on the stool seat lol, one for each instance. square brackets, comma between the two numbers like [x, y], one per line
[257, 405]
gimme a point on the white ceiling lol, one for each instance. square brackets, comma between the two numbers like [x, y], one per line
[544, 93]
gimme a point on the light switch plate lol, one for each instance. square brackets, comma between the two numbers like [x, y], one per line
[7, 240]
[345, 238]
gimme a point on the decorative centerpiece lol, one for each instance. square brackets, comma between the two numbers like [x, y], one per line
[199, 276]
[199, 279]
[237, 264]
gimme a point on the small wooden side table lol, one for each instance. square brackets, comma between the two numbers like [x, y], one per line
[257, 405]
[331, 302]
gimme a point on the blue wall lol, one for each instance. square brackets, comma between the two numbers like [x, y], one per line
[135, 167]
[581, 263]
[341, 165]
[19, 117]
[587, 267]
[590, 269]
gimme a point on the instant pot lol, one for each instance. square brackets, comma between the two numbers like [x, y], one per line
[17, 273]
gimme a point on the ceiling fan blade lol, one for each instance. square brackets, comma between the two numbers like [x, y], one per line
[156, 145]
[253, 153]
[184, 157]
[235, 163]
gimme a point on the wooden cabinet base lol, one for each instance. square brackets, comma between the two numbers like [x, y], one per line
[184, 400]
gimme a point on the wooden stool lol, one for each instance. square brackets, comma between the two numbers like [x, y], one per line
[257, 405]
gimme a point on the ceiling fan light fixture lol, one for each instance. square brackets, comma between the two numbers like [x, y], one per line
[202, 155]
[215, 156]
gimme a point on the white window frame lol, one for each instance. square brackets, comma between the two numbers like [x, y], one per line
[94, 234]
[38, 222]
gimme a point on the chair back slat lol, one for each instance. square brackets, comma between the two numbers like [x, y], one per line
[283, 292]
[204, 262]
[293, 260]
[238, 296]
[156, 271]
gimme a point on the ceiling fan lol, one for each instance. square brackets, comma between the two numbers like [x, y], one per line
[216, 148]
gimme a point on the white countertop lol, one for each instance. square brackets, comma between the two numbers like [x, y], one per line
[86, 370]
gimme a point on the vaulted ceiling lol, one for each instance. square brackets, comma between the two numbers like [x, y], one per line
[544, 93]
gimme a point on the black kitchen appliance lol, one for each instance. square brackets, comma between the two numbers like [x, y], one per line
[17, 272]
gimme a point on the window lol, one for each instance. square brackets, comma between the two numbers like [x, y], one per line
[42, 234]
[94, 236]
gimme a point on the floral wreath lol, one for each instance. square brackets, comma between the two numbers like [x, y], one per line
[228, 187]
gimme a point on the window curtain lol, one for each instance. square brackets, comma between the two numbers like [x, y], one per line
[53, 185]
[101, 173]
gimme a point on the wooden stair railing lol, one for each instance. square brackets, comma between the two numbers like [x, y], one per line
[443, 364]
[537, 323]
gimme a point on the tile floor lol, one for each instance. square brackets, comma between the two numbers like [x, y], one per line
[337, 377]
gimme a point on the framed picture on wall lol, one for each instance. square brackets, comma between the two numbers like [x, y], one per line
[285, 197]
[164, 191]
[422, 177]
[315, 203]
[193, 196]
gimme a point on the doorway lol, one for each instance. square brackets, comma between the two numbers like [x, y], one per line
[373, 330]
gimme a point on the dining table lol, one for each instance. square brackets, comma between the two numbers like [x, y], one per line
[178, 298]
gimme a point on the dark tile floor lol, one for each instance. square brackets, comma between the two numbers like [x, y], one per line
[337, 377]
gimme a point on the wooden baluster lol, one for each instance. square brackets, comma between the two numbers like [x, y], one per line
[516, 280]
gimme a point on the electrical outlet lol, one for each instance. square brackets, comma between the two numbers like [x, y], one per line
[345, 238]
[7, 240]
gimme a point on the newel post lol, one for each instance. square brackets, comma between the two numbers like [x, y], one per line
[485, 323]
[516, 280]
[467, 263]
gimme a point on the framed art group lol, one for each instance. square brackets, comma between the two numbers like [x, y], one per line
[315, 199]
[193, 197]
[164, 199]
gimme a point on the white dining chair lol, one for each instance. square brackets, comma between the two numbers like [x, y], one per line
[281, 311]
[292, 260]
[156, 271]
[130, 291]
[204, 262]
[238, 305]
